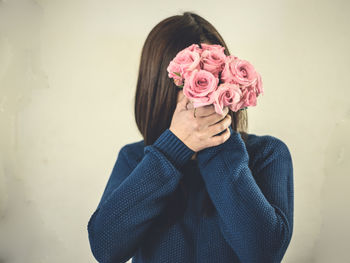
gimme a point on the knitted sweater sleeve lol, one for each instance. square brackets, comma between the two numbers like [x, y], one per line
[133, 197]
[255, 212]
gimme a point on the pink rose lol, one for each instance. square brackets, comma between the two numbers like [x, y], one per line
[229, 95]
[200, 87]
[194, 48]
[184, 63]
[213, 60]
[174, 71]
[249, 96]
[200, 69]
[212, 47]
[239, 71]
[258, 86]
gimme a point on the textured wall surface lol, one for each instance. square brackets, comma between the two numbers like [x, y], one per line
[67, 79]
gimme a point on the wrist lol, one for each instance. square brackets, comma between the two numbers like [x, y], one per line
[173, 148]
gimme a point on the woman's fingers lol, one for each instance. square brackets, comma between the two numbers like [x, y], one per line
[205, 111]
[220, 126]
[213, 118]
[216, 140]
[189, 105]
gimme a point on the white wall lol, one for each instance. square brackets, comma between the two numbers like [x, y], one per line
[67, 80]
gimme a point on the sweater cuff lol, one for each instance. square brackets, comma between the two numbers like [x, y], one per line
[206, 154]
[173, 148]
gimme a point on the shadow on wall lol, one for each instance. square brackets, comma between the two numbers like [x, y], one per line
[23, 234]
[333, 244]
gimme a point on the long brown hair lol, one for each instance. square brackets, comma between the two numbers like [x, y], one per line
[156, 94]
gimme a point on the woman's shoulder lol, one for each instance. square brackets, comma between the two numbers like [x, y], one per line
[133, 151]
[264, 145]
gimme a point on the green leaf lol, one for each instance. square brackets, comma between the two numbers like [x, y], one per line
[178, 74]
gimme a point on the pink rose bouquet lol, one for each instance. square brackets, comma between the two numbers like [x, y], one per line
[207, 76]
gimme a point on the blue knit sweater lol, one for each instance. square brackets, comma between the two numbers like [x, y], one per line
[251, 187]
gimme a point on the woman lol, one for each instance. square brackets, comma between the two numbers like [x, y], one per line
[198, 188]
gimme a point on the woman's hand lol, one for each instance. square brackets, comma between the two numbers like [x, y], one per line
[198, 133]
